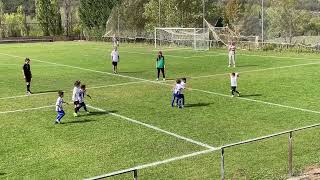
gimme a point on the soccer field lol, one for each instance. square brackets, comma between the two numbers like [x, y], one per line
[132, 122]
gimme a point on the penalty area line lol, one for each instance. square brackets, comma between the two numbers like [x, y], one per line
[154, 128]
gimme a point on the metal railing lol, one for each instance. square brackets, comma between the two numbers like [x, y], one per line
[222, 151]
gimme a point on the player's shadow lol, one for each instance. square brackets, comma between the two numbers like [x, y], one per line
[248, 65]
[42, 92]
[251, 95]
[131, 72]
[100, 113]
[197, 105]
[79, 121]
[2, 174]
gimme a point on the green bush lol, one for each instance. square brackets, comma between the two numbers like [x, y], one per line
[14, 24]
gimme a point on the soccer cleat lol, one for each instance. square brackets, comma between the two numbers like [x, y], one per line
[232, 96]
[229, 65]
[88, 112]
[157, 79]
[239, 95]
[164, 79]
[75, 114]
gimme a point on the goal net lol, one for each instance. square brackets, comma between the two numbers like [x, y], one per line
[196, 38]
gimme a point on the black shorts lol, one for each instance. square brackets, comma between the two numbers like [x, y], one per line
[233, 88]
[114, 63]
[28, 78]
[76, 103]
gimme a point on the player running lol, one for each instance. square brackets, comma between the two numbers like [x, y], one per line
[75, 97]
[234, 83]
[232, 54]
[59, 108]
[82, 94]
[26, 70]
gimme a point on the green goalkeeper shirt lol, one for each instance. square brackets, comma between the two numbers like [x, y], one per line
[160, 62]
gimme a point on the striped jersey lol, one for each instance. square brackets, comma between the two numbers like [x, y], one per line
[75, 94]
[82, 94]
[59, 104]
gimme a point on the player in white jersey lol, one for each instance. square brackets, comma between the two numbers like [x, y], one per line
[234, 83]
[115, 60]
[183, 85]
[232, 54]
[75, 97]
[59, 108]
[177, 89]
[82, 94]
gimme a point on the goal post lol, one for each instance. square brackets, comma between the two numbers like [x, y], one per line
[195, 38]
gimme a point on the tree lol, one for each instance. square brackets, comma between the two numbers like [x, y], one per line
[49, 17]
[67, 16]
[232, 12]
[285, 20]
[94, 14]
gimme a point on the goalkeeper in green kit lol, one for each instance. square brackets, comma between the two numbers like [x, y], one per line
[160, 65]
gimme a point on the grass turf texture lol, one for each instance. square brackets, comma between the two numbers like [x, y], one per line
[33, 148]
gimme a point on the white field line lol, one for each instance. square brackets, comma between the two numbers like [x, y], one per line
[258, 70]
[257, 101]
[29, 109]
[155, 128]
[151, 164]
[96, 87]
[156, 82]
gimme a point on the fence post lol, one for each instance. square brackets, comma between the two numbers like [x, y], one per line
[290, 155]
[222, 164]
[135, 174]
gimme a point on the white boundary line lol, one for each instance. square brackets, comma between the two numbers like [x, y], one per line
[257, 70]
[96, 87]
[153, 164]
[29, 109]
[155, 128]
[156, 82]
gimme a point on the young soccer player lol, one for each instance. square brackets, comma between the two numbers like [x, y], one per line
[59, 108]
[27, 74]
[234, 83]
[75, 97]
[115, 60]
[232, 54]
[82, 94]
[183, 85]
[176, 94]
[160, 65]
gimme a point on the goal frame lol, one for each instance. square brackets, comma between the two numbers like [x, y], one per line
[156, 29]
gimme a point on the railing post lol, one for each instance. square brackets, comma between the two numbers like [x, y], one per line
[222, 164]
[290, 155]
[135, 174]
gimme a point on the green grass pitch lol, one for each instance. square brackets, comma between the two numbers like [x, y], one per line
[280, 92]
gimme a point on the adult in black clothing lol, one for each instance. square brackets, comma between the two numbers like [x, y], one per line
[27, 74]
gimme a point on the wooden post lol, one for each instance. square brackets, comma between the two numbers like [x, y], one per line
[290, 155]
[222, 164]
[135, 174]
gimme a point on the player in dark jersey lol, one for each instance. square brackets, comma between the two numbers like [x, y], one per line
[27, 74]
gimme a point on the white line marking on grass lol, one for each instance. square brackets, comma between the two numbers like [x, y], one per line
[257, 70]
[29, 109]
[155, 128]
[144, 166]
[96, 87]
[258, 101]
[155, 82]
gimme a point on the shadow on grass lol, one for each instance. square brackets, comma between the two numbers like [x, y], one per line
[132, 72]
[249, 65]
[79, 121]
[42, 92]
[197, 105]
[2, 174]
[251, 95]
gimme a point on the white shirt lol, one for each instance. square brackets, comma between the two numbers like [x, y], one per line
[81, 96]
[232, 48]
[59, 104]
[115, 56]
[75, 94]
[178, 89]
[234, 80]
